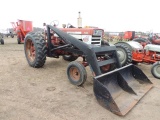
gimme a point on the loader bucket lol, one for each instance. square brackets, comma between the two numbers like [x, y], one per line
[120, 89]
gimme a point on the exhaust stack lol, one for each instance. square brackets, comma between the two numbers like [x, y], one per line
[79, 20]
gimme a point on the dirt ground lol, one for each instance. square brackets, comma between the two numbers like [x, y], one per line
[27, 93]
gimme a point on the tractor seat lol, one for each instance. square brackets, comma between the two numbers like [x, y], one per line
[152, 47]
[135, 45]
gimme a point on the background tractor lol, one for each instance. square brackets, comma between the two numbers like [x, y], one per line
[10, 34]
[151, 39]
[146, 53]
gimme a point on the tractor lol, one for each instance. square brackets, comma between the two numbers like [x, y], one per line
[116, 88]
[151, 39]
[21, 28]
[117, 85]
[1, 39]
[146, 53]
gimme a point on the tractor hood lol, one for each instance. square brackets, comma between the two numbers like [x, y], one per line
[135, 45]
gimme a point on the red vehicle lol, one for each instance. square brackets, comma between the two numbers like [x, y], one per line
[86, 43]
[129, 35]
[151, 39]
[89, 35]
[22, 27]
[115, 83]
[147, 53]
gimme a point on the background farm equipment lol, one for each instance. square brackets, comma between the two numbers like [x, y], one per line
[1, 39]
[121, 36]
[150, 39]
[115, 87]
[129, 35]
[147, 53]
[22, 27]
[10, 34]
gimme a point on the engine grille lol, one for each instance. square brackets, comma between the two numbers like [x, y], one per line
[96, 40]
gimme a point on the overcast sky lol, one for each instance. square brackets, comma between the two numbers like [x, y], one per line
[111, 15]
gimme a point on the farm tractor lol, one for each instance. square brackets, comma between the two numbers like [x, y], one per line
[117, 87]
[151, 39]
[146, 53]
[21, 28]
[1, 39]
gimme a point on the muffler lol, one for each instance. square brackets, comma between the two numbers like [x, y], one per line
[120, 89]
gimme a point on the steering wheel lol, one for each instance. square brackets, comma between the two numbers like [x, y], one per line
[70, 25]
[54, 23]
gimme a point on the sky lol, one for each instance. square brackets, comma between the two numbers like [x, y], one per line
[110, 15]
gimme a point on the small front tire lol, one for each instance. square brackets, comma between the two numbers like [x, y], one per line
[76, 73]
[155, 70]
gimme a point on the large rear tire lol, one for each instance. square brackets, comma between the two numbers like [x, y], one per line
[76, 73]
[155, 70]
[35, 50]
[141, 40]
[124, 54]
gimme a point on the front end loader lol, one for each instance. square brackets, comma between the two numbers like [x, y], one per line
[116, 88]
